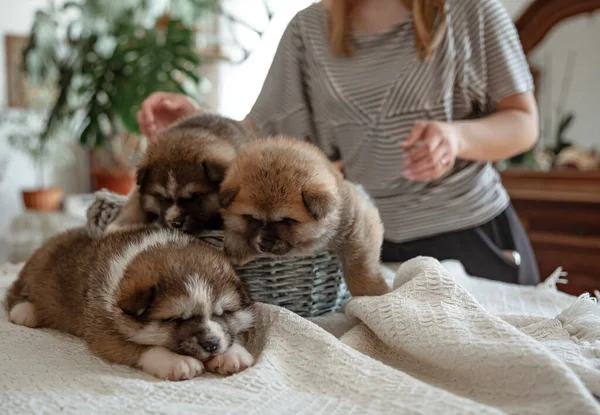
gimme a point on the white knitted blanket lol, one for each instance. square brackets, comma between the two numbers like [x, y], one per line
[442, 342]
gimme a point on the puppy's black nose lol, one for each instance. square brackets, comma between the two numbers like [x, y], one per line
[267, 244]
[177, 223]
[210, 345]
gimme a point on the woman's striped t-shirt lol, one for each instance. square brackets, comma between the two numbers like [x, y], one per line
[360, 109]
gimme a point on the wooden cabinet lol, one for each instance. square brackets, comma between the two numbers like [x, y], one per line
[561, 213]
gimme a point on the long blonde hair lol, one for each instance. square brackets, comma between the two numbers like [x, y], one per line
[429, 25]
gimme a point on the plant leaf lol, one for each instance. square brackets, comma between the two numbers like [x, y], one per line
[565, 122]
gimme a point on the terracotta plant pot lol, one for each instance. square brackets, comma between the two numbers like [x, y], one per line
[115, 181]
[47, 200]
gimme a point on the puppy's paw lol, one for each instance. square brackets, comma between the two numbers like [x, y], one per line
[240, 261]
[164, 364]
[236, 259]
[234, 360]
[238, 252]
[123, 228]
[24, 314]
[112, 228]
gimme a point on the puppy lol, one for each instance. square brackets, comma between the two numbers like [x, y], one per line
[178, 179]
[154, 299]
[283, 197]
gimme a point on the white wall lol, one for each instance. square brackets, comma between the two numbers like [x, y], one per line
[574, 42]
[16, 18]
[240, 84]
[578, 35]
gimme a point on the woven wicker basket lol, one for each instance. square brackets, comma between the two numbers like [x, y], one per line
[307, 285]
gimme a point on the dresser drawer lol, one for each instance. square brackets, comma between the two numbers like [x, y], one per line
[561, 214]
[576, 255]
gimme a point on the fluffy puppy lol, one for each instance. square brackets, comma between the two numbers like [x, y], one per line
[154, 299]
[178, 179]
[283, 197]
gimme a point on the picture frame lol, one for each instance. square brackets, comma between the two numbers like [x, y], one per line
[19, 92]
[15, 79]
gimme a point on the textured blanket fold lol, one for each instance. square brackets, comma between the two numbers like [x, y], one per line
[441, 342]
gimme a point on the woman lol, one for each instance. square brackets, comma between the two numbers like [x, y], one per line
[416, 98]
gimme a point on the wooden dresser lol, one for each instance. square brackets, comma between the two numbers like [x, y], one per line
[561, 213]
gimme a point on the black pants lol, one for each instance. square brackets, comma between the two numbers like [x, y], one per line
[479, 249]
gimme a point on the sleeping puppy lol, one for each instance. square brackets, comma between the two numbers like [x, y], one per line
[155, 299]
[178, 179]
[283, 197]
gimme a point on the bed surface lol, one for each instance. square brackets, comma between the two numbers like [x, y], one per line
[441, 342]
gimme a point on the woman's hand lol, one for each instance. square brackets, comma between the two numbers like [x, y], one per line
[432, 148]
[510, 130]
[162, 109]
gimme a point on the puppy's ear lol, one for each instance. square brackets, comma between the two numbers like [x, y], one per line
[141, 175]
[245, 299]
[318, 201]
[135, 302]
[226, 196]
[215, 170]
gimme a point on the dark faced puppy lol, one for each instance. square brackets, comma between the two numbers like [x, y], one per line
[179, 182]
[283, 197]
[178, 179]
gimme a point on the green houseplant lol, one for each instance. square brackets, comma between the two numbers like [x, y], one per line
[105, 58]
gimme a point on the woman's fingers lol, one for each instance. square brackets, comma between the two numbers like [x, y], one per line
[429, 168]
[140, 120]
[157, 111]
[426, 155]
[171, 105]
[161, 109]
[433, 153]
[425, 150]
[415, 135]
[149, 105]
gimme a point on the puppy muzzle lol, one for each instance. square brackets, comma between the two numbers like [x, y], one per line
[273, 246]
[203, 348]
[178, 222]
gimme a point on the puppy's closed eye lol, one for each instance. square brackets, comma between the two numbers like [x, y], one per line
[222, 313]
[161, 198]
[176, 319]
[194, 197]
[251, 219]
[284, 221]
[288, 221]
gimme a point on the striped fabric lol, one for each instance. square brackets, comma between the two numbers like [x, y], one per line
[360, 109]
